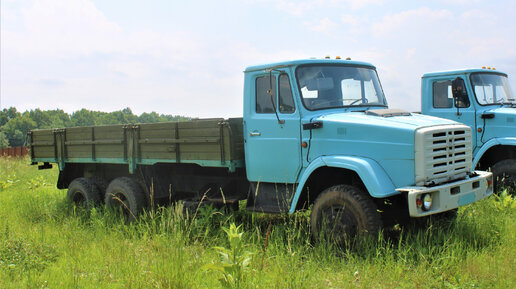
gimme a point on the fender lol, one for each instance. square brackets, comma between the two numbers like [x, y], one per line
[374, 177]
[508, 141]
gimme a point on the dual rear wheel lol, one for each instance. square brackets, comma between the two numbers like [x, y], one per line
[124, 193]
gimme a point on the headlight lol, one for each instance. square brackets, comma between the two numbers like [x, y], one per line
[424, 201]
[427, 202]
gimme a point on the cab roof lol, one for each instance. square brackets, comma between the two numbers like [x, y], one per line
[462, 71]
[291, 63]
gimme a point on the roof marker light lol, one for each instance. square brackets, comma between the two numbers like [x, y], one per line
[337, 57]
[327, 57]
[348, 58]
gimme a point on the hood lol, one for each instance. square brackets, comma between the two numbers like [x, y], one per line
[501, 123]
[403, 122]
[388, 139]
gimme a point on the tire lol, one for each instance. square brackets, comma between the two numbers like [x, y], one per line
[83, 192]
[504, 175]
[101, 184]
[342, 212]
[126, 194]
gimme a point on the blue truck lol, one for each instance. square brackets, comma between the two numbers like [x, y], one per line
[483, 100]
[315, 133]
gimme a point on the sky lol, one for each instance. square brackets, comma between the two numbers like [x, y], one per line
[188, 57]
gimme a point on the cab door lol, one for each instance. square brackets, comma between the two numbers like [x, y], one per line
[443, 105]
[272, 130]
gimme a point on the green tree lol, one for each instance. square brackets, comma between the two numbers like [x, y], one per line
[7, 114]
[15, 125]
[4, 142]
[83, 117]
[123, 116]
[16, 129]
[149, 117]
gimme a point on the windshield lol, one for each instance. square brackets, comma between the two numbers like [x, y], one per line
[492, 89]
[333, 86]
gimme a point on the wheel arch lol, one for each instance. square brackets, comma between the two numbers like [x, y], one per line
[493, 151]
[358, 171]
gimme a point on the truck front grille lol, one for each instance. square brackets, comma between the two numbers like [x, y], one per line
[442, 154]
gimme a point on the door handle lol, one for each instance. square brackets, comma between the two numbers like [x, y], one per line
[255, 133]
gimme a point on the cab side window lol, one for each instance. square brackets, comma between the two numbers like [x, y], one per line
[443, 96]
[263, 98]
[286, 100]
[442, 92]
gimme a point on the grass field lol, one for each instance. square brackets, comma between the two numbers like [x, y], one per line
[47, 243]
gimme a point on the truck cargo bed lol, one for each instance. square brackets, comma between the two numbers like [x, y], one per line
[206, 142]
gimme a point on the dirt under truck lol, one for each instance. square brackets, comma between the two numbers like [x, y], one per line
[315, 132]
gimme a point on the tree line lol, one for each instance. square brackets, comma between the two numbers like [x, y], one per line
[14, 125]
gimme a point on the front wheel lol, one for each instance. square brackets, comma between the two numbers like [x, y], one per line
[342, 212]
[504, 174]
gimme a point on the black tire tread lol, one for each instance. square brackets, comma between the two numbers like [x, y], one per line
[87, 188]
[373, 222]
[501, 168]
[131, 190]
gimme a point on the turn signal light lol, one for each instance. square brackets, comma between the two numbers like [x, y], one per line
[490, 183]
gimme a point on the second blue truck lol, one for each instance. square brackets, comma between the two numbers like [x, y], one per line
[483, 100]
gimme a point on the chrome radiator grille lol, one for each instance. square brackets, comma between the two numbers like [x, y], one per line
[442, 153]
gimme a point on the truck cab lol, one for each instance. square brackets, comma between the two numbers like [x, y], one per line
[483, 100]
[320, 132]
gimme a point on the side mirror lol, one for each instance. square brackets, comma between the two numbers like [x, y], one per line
[460, 95]
[458, 87]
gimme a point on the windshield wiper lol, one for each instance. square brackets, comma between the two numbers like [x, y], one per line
[504, 102]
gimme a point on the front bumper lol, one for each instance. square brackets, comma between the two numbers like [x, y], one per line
[451, 195]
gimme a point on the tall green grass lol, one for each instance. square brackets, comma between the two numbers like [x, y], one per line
[47, 243]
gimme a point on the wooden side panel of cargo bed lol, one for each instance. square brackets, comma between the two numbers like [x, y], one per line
[92, 143]
[109, 142]
[42, 144]
[207, 142]
[182, 141]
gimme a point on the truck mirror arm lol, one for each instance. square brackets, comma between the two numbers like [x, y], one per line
[272, 99]
[458, 92]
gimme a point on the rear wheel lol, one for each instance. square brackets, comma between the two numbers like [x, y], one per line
[126, 194]
[342, 212]
[504, 175]
[101, 184]
[83, 192]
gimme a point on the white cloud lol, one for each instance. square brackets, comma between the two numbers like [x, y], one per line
[74, 28]
[297, 8]
[359, 4]
[72, 55]
[301, 8]
[64, 28]
[412, 21]
[325, 26]
[350, 19]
